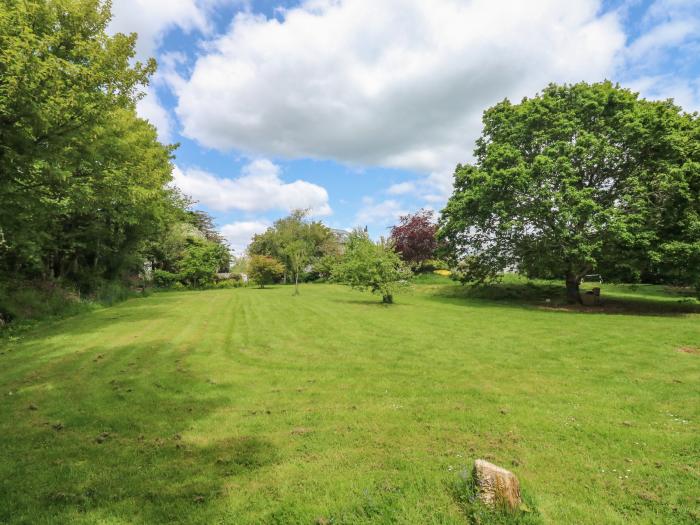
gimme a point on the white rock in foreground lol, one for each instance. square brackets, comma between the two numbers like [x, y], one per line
[496, 486]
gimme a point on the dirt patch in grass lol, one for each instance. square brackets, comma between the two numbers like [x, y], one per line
[689, 350]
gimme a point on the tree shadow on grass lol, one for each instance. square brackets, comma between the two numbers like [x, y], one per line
[370, 302]
[551, 298]
[92, 438]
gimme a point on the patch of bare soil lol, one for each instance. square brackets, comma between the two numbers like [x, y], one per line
[689, 350]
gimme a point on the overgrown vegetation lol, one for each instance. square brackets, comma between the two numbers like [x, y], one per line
[84, 179]
[84, 184]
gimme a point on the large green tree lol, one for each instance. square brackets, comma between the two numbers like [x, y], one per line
[82, 178]
[577, 179]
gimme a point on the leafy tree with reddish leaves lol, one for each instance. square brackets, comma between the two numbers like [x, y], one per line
[414, 237]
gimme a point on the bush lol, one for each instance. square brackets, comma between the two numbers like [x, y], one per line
[36, 300]
[228, 283]
[264, 270]
[432, 265]
[112, 292]
[164, 279]
[201, 262]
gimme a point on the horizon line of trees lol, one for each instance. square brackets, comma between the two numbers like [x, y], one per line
[581, 178]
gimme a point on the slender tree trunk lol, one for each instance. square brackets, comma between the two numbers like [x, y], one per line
[296, 283]
[573, 294]
[388, 299]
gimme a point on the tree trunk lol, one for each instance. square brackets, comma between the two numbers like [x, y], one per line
[296, 283]
[388, 299]
[573, 295]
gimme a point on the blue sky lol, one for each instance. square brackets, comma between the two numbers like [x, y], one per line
[359, 110]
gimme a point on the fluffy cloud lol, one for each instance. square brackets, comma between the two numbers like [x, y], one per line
[662, 61]
[398, 83]
[238, 234]
[258, 188]
[382, 214]
[151, 19]
[402, 188]
[150, 109]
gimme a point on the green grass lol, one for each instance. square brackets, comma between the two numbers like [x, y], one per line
[255, 406]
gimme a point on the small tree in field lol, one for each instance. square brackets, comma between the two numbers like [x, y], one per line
[298, 254]
[367, 265]
[414, 237]
[264, 270]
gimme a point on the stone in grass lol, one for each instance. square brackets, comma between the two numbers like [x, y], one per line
[496, 486]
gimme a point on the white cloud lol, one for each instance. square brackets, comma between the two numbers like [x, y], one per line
[149, 108]
[382, 214]
[258, 188]
[662, 61]
[402, 188]
[151, 19]
[239, 234]
[663, 36]
[685, 92]
[434, 189]
[398, 83]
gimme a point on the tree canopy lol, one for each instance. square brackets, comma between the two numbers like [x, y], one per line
[580, 178]
[296, 242]
[414, 237]
[83, 180]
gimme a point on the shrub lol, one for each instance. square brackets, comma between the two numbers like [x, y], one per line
[432, 265]
[35, 300]
[228, 283]
[264, 270]
[164, 279]
[201, 262]
[112, 292]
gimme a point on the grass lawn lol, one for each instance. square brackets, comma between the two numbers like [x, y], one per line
[255, 406]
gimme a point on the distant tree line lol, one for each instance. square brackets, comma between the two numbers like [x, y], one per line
[582, 178]
[295, 248]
